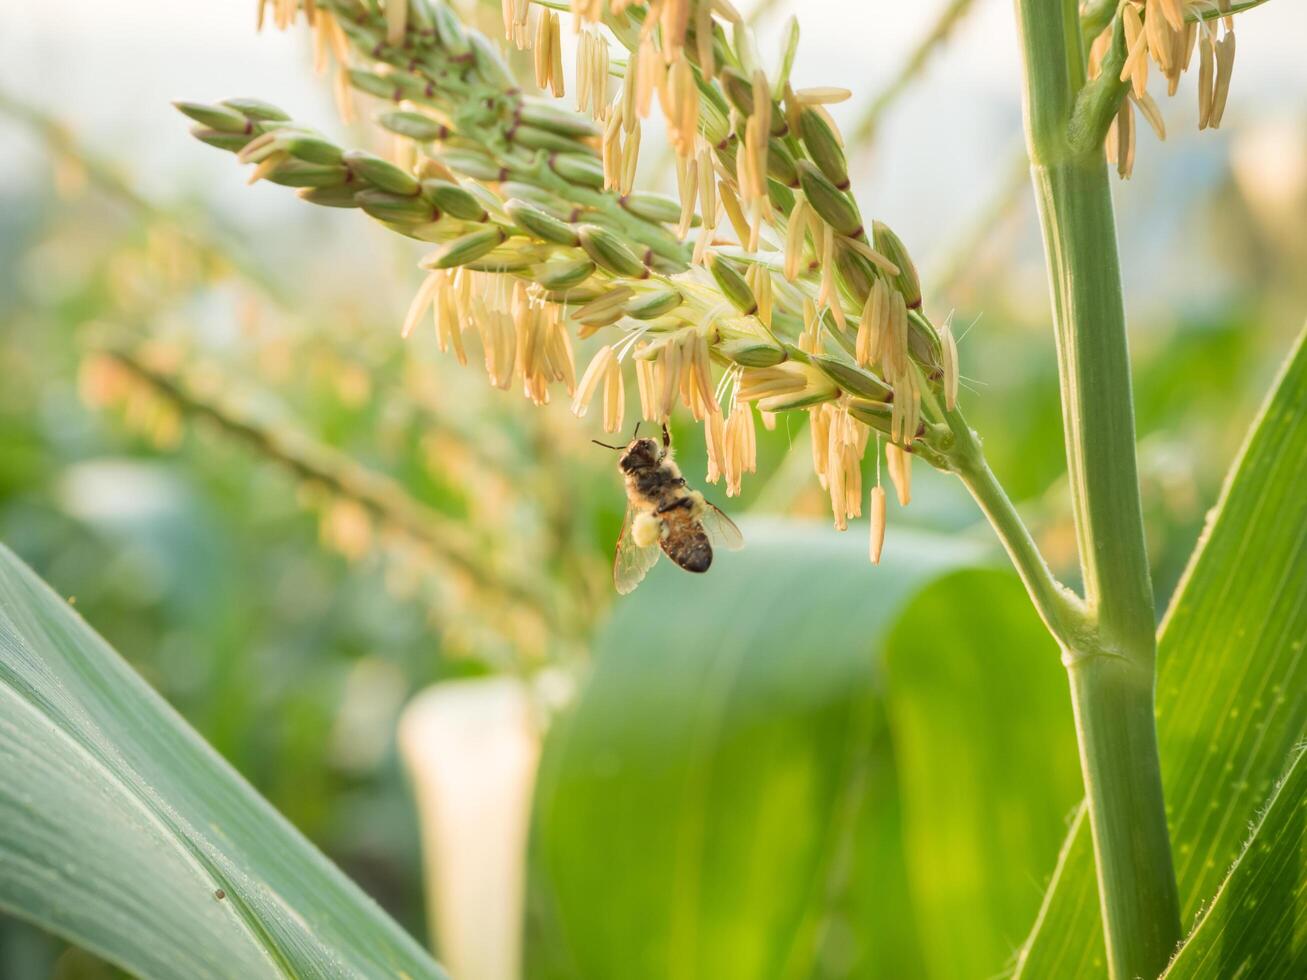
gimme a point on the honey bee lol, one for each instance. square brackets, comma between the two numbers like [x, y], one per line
[663, 513]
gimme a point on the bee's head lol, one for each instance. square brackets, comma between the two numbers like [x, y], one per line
[640, 454]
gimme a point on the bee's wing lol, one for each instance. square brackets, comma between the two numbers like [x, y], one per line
[721, 529]
[631, 563]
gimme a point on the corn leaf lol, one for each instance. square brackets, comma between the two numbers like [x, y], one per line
[1232, 684]
[871, 928]
[982, 728]
[1257, 924]
[122, 831]
[695, 811]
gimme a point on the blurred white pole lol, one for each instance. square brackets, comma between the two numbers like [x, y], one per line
[471, 747]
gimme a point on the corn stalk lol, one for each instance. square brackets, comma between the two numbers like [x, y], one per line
[1111, 661]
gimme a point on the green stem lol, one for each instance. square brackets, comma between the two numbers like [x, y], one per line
[1061, 609]
[1075, 208]
[1111, 669]
[1115, 725]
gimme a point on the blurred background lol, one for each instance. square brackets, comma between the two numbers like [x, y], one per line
[291, 521]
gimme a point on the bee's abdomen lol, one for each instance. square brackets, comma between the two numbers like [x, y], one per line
[688, 546]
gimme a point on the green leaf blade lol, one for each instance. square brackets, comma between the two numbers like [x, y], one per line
[125, 833]
[1257, 924]
[1231, 688]
[981, 721]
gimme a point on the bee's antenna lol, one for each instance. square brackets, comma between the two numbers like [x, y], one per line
[606, 446]
[637, 428]
[667, 436]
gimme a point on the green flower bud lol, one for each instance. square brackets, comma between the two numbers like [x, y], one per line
[453, 200]
[414, 125]
[381, 173]
[652, 305]
[832, 205]
[536, 222]
[727, 154]
[876, 414]
[610, 252]
[714, 114]
[856, 274]
[584, 170]
[312, 149]
[924, 345]
[738, 89]
[652, 207]
[781, 197]
[340, 196]
[851, 378]
[419, 17]
[256, 109]
[573, 297]
[466, 249]
[800, 399]
[396, 208]
[891, 246]
[535, 138]
[508, 259]
[490, 66]
[545, 115]
[362, 33]
[473, 163]
[449, 29]
[780, 163]
[552, 203]
[751, 353]
[732, 284]
[232, 142]
[563, 275]
[665, 266]
[218, 117]
[374, 84]
[824, 147]
[296, 173]
[711, 93]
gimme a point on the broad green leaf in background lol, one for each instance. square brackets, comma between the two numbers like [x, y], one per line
[870, 930]
[1232, 684]
[694, 809]
[1257, 924]
[981, 724]
[123, 832]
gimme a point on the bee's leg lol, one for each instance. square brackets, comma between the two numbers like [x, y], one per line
[667, 437]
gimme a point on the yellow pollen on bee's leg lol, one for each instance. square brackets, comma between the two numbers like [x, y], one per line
[646, 529]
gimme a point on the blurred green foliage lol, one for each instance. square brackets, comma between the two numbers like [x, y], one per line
[693, 809]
